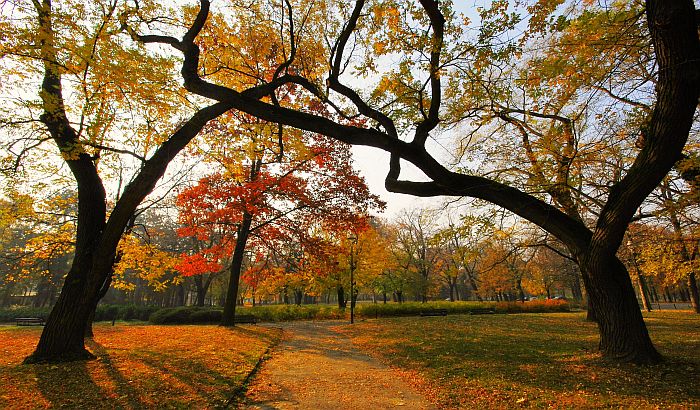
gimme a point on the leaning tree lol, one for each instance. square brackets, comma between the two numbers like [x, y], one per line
[424, 39]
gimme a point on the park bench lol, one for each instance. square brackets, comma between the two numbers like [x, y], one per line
[29, 321]
[434, 312]
[245, 319]
[482, 311]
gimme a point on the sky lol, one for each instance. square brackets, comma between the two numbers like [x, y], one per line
[373, 165]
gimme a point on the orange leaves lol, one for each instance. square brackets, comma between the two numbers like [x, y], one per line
[136, 367]
[197, 264]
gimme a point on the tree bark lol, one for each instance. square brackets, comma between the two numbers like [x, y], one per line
[341, 297]
[623, 334]
[228, 317]
[693, 290]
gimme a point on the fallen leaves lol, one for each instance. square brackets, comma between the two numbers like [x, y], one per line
[516, 361]
[137, 366]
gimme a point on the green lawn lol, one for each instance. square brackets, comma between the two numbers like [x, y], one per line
[534, 360]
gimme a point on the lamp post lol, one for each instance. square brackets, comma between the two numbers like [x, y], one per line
[353, 241]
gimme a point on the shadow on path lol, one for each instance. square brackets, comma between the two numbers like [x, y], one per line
[315, 367]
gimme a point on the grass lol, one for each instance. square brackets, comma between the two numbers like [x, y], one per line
[137, 366]
[534, 360]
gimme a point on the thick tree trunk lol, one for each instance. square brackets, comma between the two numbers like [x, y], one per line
[63, 335]
[227, 319]
[623, 334]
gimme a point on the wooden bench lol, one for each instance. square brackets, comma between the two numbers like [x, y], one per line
[482, 311]
[245, 319]
[29, 321]
[434, 312]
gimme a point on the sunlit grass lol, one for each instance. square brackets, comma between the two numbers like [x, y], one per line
[534, 360]
[137, 366]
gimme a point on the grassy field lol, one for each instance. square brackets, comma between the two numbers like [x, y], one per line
[534, 360]
[138, 366]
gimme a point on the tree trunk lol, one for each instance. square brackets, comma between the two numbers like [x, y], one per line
[227, 318]
[643, 291]
[341, 297]
[623, 334]
[474, 286]
[63, 336]
[201, 289]
[180, 295]
[521, 292]
[103, 291]
[693, 289]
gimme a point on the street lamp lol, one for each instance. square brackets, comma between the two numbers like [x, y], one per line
[353, 241]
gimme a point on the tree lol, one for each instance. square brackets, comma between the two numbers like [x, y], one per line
[673, 32]
[415, 249]
[465, 242]
[283, 197]
[56, 42]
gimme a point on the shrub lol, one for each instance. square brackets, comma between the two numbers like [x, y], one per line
[177, 315]
[533, 306]
[205, 316]
[186, 315]
[9, 314]
[281, 313]
[414, 308]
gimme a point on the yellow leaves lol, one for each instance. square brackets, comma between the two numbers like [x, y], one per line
[145, 261]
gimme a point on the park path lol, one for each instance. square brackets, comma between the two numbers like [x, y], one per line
[315, 367]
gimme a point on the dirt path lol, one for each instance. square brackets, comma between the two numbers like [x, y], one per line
[315, 367]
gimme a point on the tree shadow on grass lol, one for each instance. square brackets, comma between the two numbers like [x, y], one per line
[541, 356]
[208, 385]
[72, 385]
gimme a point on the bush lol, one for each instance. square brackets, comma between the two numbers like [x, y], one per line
[205, 316]
[9, 314]
[123, 312]
[414, 308]
[185, 315]
[106, 312]
[282, 313]
[171, 315]
[533, 306]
